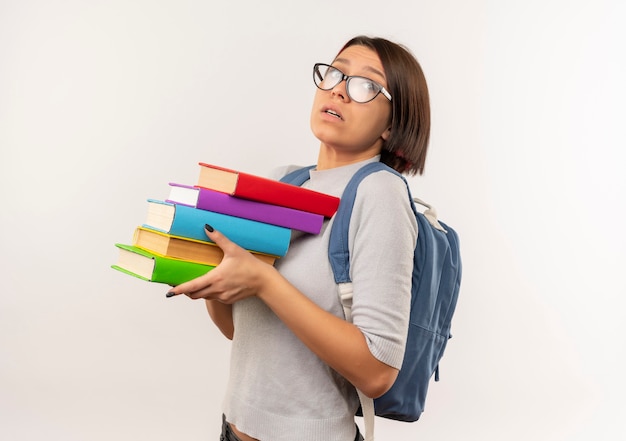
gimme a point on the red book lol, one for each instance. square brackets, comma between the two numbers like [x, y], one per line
[261, 189]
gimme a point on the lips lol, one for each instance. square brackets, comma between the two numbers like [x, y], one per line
[332, 112]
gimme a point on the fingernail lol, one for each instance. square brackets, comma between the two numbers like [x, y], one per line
[209, 228]
[170, 294]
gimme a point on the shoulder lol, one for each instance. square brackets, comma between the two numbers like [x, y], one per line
[382, 185]
[383, 200]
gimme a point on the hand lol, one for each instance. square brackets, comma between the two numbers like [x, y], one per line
[239, 275]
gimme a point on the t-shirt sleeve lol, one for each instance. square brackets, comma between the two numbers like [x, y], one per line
[382, 237]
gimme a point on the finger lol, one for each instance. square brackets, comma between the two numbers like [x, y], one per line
[220, 240]
[189, 287]
[196, 295]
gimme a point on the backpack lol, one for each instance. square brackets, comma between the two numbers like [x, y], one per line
[434, 293]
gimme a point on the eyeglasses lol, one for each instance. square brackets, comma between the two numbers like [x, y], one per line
[359, 89]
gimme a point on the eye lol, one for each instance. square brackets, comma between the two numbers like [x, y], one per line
[366, 84]
[370, 86]
[334, 74]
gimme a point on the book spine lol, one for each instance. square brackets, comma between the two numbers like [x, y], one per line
[262, 212]
[252, 235]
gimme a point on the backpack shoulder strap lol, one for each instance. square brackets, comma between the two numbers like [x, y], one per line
[298, 176]
[338, 251]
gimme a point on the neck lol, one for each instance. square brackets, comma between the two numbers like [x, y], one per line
[330, 158]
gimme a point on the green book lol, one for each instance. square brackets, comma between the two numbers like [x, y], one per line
[151, 267]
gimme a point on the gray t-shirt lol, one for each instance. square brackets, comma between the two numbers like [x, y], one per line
[278, 389]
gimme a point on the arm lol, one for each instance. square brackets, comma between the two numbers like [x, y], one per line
[222, 316]
[339, 343]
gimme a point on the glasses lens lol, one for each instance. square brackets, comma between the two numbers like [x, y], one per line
[362, 89]
[326, 77]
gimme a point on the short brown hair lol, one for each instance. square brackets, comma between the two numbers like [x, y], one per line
[405, 150]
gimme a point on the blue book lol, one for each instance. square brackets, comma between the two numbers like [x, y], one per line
[185, 221]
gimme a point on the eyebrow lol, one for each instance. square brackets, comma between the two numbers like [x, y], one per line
[368, 68]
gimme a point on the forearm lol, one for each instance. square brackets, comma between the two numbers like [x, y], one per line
[337, 342]
[222, 316]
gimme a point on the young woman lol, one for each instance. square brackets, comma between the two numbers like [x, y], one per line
[295, 360]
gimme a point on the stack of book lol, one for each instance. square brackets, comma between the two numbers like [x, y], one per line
[257, 213]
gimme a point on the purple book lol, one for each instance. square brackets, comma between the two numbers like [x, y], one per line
[223, 203]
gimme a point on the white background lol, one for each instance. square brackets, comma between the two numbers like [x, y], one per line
[103, 103]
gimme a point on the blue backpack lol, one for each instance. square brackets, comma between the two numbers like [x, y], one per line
[434, 293]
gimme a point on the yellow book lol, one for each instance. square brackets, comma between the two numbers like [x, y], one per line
[183, 248]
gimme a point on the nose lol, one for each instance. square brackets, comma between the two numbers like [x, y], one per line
[340, 90]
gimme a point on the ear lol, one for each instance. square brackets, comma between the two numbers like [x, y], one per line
[385, 135]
